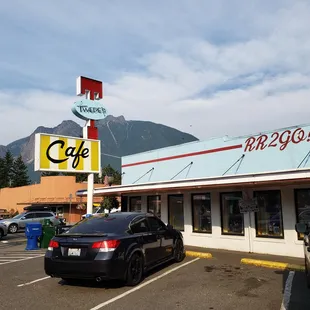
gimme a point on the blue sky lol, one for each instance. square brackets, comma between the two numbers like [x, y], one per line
[209, 68]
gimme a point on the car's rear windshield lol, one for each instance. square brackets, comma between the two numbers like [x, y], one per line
[100, 224]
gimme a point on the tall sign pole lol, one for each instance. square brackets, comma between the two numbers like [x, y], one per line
[89, 110]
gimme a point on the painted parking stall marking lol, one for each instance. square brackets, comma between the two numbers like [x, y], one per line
[17, 256]
[34, 281]
[143, 285]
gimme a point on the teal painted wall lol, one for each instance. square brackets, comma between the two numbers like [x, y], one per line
[282, 149]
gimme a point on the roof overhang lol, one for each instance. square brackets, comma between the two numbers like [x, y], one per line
[242, 180]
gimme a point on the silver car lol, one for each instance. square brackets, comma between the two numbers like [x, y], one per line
[19, 221]
[3, 230]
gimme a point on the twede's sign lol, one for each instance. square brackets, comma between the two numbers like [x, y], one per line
[66, 154]
[89, 109]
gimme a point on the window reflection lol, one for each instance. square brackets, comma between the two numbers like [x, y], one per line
[302, 205]
[154, 205]
[201, 210]
[176, 211]
[135, 204]
[232, 219]
[269, 217]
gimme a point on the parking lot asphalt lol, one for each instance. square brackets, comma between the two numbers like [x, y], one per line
[196, 283]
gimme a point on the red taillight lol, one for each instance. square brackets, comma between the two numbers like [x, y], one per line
[53, 244]
[106, 246]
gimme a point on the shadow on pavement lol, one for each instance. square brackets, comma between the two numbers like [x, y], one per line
[113, 284]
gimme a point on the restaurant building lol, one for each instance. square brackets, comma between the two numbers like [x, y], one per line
[235, 193]
[58, 193]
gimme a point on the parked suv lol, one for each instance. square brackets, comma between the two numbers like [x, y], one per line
[3, 230]
[19, 221]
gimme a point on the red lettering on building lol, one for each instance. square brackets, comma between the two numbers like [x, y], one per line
[298, 135]
[280, 140]
[261, 142]
[284, 139]
[249, 144]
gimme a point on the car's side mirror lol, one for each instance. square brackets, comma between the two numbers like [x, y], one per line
[301, 228]
[170, 227]
[22, 218]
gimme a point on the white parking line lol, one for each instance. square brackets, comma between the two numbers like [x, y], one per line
[142, 285]
[19, 260]
[287, 291]
[34, 281]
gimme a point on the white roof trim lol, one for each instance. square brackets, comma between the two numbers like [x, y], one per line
[209, 181]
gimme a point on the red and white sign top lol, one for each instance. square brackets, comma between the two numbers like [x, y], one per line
[90, 87]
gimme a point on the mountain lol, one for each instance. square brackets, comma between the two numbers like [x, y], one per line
[118, 136]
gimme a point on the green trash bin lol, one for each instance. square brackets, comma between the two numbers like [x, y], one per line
[48, 232]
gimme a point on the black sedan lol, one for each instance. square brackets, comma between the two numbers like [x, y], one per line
[121, 245]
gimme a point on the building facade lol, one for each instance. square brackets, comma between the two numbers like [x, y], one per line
[58, 192]
[242, 193]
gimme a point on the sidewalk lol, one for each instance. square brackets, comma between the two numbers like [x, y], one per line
[235, 256]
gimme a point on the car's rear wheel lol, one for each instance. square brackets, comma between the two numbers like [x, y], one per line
[179, 250]
[13, 228]
[134, 270]
[1, 234]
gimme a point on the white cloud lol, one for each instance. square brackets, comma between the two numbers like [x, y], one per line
[245, 68]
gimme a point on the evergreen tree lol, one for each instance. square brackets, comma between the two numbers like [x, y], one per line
[79, 177]
[20, 173]
[7, 169]
[49, 173]
[2, 173]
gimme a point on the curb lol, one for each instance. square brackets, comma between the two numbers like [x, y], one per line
[272, 264]
[198, 254]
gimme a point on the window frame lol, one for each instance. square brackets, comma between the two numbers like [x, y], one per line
[221, 211]
[299, 237]
[161, 223]
[134, 197]
[147, 203]
[192, 209]
[255, 216]
[29, 216]
[168, 198]
[135, 221]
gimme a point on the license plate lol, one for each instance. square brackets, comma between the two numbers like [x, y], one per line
[74, 252]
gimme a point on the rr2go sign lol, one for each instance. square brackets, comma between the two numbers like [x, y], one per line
[278, 140]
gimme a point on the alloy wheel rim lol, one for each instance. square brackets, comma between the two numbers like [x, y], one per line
[136, 269]
[179, 250]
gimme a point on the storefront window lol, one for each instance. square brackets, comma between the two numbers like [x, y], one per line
[268, 219]
[201, 211]
[302, 205]
[176, 211]
[232, 219]
[135, 204]
[154, 205]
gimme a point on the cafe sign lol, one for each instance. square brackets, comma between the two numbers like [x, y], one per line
[66, 154]
[89, 109]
